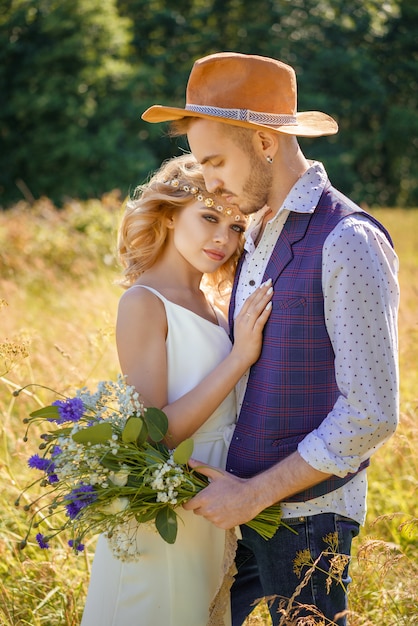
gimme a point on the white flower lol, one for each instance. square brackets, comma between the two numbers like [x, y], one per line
[119, 478]
[117, 505]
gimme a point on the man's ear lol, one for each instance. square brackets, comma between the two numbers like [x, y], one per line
[265, 143]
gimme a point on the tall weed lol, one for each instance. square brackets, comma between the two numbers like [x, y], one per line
[58, 303]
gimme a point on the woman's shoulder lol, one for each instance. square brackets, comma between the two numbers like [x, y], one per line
[142, 300]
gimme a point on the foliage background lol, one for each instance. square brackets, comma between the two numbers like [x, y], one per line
[75, 76]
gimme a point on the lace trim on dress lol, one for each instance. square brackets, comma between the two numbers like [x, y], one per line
[221, 598]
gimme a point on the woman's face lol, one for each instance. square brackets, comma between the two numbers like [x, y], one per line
[205, 237]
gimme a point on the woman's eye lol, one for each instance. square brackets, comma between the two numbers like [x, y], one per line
[210, 218]
[237, 228]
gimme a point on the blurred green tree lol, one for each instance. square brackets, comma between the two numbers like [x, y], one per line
[67, 123]
[75, 76]
[398, 57]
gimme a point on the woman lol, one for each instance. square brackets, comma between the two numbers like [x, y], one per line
[174, 348]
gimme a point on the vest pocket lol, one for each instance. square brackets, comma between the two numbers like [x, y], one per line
[291, 303]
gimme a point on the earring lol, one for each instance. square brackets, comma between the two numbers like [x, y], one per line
[269, 159]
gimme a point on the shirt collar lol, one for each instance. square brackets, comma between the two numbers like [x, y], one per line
[305, 193]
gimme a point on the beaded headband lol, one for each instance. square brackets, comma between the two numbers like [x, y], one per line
[207, 201]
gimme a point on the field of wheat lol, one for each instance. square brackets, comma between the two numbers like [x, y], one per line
[58, 301]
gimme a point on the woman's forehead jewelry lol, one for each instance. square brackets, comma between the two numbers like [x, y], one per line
[206, 200]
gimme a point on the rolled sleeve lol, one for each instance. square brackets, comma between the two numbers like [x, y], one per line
[361, 300]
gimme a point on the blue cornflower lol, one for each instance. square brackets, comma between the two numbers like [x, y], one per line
[78, 546]
[41, 541]
[56, 450]
[70, 410]
[45, 465]
[80, 497]
[41, 463]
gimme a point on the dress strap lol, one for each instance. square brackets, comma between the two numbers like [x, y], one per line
[154, 291]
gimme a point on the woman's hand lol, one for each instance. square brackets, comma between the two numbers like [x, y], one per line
[250, 322]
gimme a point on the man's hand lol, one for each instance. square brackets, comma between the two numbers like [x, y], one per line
[229, 501]
[226, 501]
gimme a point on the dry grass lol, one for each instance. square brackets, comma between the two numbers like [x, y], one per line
[57, 309]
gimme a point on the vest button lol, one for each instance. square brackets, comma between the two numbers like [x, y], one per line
[252, 282]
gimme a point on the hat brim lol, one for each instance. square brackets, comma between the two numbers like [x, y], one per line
[309, 123]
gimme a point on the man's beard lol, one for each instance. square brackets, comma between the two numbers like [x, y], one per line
[257, 188]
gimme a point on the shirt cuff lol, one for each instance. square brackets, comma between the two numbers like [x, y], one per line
[314, 451]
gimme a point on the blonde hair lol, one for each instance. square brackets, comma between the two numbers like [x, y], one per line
[143, 230]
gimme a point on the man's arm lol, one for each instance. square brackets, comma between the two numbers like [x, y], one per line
[229, 501]
[361, 298]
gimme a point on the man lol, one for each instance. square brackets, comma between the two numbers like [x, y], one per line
[323, 395]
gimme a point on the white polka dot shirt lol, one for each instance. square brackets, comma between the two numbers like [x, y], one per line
[361, 298]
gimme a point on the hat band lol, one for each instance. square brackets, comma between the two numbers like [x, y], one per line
[245, 115]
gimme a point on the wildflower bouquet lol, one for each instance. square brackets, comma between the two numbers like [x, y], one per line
[104, 466]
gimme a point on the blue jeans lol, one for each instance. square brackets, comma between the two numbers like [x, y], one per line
[266, 568]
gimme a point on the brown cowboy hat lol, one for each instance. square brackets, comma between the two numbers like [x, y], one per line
[245, 90]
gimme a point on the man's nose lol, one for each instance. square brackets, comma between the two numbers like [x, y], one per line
[213, 183]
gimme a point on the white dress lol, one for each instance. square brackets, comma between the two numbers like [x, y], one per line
[172, 584]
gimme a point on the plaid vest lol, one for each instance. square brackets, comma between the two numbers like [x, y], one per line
[292, 387]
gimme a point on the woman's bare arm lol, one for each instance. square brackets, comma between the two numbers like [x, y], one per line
[140, 335]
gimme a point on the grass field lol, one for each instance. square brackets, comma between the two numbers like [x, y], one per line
[58, 302]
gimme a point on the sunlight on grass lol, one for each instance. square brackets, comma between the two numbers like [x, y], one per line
[58, 302]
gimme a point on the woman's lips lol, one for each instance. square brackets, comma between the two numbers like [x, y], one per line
[215, 255]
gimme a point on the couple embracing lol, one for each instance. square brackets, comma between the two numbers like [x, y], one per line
[292, 396]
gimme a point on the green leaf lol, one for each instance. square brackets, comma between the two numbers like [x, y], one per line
[143, 435]
[132, 429]
[98, 433]
[166, 524]
[183, 452]
[50, 412]
[157, 423]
